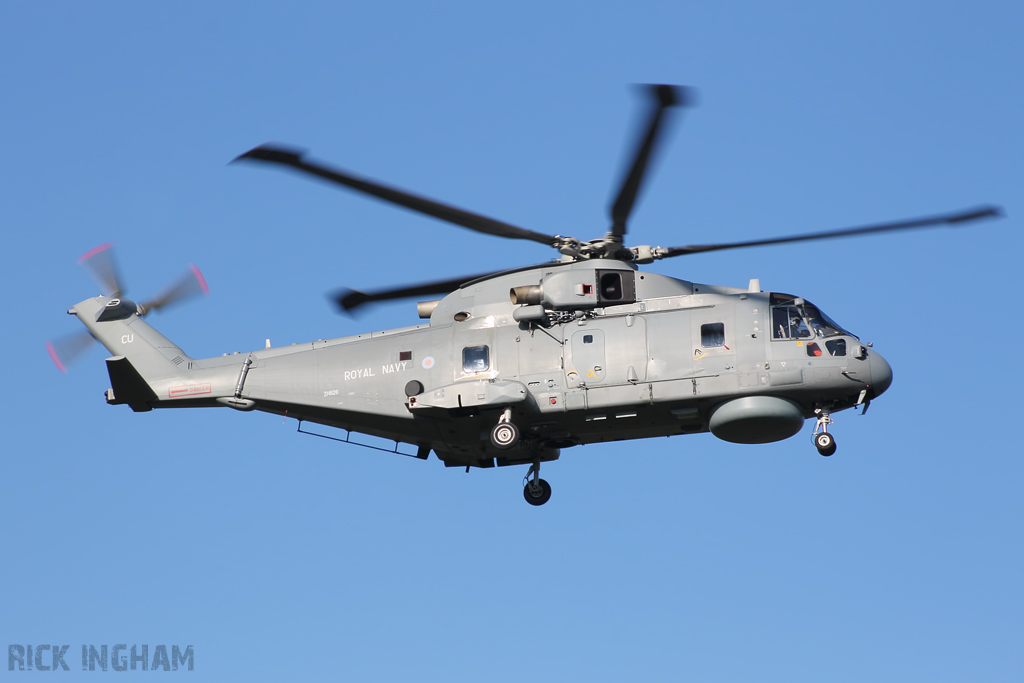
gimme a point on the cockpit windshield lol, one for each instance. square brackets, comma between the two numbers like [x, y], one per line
[794, 318]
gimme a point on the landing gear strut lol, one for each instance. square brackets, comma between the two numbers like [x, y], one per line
[505, 435]
[537, 491]
[823, 441]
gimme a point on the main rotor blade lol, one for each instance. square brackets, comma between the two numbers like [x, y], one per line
[664, 96]
[190, 284]
[951, 219]
[291, 157]
[99, 263]
[350, 299]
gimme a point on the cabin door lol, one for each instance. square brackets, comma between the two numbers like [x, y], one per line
[607, 359]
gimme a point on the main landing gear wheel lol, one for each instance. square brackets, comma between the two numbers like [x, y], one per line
[505, 435]
[825, 444]
[537, 492]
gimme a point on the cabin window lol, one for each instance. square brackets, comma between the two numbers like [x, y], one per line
[813, 349]
[836, 347]
[588, 339]
[404, 355]
[712, 334]
[476, 359]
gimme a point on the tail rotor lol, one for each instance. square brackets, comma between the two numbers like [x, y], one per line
[69, 348]
[189, 285]
[99, 263]
[101, 266]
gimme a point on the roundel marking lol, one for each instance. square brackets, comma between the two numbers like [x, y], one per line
[428, 362]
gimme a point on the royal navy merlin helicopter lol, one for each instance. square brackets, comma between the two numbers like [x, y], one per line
[513, 367]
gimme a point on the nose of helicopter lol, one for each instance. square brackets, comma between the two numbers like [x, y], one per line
[881, 373]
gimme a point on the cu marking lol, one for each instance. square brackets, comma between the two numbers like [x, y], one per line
[127, 338]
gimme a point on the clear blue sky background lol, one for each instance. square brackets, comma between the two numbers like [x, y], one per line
[283, 556]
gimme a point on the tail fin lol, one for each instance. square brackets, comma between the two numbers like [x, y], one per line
[116, 324]
[147, 370]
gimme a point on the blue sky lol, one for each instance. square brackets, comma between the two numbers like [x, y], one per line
[276, 554]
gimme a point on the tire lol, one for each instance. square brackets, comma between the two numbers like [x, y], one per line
[505, 435]
[544, 493]
[825, 444]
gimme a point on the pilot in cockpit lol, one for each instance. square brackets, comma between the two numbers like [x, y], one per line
[798, 327]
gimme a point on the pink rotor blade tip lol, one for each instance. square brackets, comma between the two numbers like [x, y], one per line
[53, 356]
[200, 278]
[92, 252]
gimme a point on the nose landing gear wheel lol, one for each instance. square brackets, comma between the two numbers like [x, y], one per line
[823, 441]
[825, 444]
[537, 492]
[505, 435]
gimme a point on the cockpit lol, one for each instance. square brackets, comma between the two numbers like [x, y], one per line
[795, 318]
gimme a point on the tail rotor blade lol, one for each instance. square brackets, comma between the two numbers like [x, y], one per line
[66, 350]
[99, 263]
[191, 284]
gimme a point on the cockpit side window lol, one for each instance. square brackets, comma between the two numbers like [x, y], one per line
[780, 323]
[836, 347]
[788, 323]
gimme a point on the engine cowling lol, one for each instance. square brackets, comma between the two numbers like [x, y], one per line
[580, 289]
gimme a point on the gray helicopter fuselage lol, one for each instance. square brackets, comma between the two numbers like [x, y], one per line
[646, 355]
[515, 366]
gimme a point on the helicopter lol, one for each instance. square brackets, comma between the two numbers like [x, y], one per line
[513, 367]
